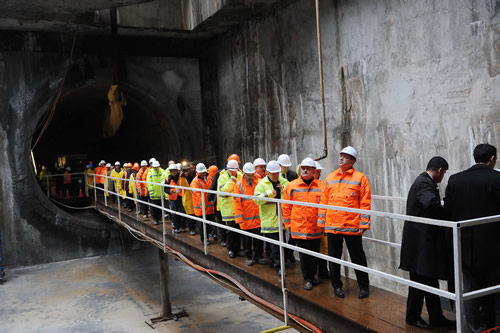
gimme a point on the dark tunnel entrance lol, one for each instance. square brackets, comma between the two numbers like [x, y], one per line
[162, 118]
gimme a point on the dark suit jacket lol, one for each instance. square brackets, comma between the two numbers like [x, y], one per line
[424, 248]
[470, 194]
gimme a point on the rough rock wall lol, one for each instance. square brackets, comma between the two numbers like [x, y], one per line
[404, 81]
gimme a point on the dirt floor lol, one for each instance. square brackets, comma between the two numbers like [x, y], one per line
[121, 293]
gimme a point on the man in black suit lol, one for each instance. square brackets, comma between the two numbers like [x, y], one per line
[475, 193]
[424, 253]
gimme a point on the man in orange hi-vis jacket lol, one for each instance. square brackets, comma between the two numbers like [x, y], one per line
[302, 220]
[346, 187]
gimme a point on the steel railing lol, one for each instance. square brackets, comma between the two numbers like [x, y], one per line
[459, 296]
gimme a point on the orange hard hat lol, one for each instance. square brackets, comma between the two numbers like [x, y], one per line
[212, 170]
[129, 165]
[234, 157]
[136, 166]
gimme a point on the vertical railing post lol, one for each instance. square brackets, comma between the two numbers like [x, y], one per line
[205, 237]
[95, 193]
[86, 184]
[106, 190]
[162, 189]
[118, 201]
[282, 264]
[459, 290]
[137, 198]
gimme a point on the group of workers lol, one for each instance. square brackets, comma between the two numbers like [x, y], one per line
[306, 226]
[425, 249]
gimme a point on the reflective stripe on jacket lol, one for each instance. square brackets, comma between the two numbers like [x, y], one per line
[174, 192]
[197, 203]
[302, 220]
[99, 171]
[268, 210]
[142, 176]
[187, 196]
[245, 210]
[226, 183]
[350, 189]
[154, 177]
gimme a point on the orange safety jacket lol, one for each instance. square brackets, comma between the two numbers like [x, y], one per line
[349, 189]
[142, 175]
[302, 220]
[197, 204]
[67, 178]
[245, 210]
[99, 179]
[104, 172]
[174, 192]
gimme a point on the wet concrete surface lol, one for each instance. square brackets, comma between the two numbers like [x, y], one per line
[119, 294]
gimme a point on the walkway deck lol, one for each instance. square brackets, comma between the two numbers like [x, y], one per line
[383, 311]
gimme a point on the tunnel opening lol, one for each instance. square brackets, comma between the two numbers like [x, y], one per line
[162, 118]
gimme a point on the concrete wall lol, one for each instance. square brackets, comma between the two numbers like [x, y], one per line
[421, 79]
[164, 107]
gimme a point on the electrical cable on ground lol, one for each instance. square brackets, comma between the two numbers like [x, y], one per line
[303, 323]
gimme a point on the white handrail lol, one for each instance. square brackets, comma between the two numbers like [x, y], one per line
[459, 296]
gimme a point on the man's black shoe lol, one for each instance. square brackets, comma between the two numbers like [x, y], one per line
[231, 254]
[363, 293]
[444, 322]
[223, 244]
[339, 293]
[420, 323]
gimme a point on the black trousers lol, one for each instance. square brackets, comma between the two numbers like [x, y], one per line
[256, 244]
[233, 238]
[143, 206]
[416, 297]
[308, 264]
[355, 247]
[223, 232]
[192, 223]
[178, 221]
[156, 212]
[210, 217]
[483, 312]
[274, 256]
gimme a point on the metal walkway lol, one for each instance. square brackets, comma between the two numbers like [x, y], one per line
[383, 311]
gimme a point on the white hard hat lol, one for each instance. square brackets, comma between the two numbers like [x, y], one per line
[108, 165]
[200, 167]
[232, 165]
[318, 166]
[308, 162]
[102, 162]
[350, 151]
[156, 164]
[152, 159]
[248, 168]
[259, 161]
[273, 167]
[179, 166]
[144, 163]
[68, 168]
[117, 163]
[171, 166]
[284, 160]
[171, 162]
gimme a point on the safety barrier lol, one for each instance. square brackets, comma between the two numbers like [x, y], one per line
[459, 296]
